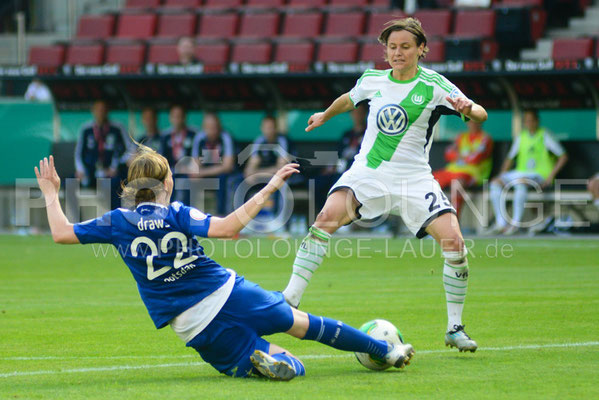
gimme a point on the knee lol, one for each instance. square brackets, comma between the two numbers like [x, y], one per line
[453, 243]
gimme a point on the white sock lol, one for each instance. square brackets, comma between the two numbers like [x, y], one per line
[455, 282]
[519, 200]
[495, 193]
[307, 260]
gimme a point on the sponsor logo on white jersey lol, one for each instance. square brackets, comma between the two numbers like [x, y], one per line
[392, 119]
[417, 99]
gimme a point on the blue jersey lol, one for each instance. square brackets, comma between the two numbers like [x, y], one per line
[159, 246]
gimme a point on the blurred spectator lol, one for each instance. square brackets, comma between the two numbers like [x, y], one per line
[533, 148]
[594, 189]
[214, 153]
[151, 135]
[186, 51]
[176, 145]
[102, 151]
[346, 150]
[37, 91]
[470, 161]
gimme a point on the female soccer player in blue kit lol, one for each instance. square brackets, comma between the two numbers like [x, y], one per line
[212, 309]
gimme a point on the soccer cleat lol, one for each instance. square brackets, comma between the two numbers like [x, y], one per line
[400, 355]
[271, 368]
[460, 339]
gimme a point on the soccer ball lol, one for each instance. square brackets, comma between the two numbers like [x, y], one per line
[382, 330]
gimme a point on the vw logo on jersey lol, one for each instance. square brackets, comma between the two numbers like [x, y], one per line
[392, 119]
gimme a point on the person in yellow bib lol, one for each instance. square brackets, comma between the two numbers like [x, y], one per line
[470, 161]
[535, 151]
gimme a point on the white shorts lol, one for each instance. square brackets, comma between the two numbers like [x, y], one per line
[418, 200]
[513, 175]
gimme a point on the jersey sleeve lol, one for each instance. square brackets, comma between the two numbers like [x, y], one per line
[453, 92]
[553, 145]
[98, 230]
[195, 221]
[363, 90]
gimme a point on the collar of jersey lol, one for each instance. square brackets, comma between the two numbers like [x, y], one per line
[392, 79]
[149, 203]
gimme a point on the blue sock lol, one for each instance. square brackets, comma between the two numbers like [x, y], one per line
[343, 337]
[295, 363]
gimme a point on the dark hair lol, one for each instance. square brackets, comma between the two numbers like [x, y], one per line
[533, 111]
[411, 25]
[269, 116]
[178, 105]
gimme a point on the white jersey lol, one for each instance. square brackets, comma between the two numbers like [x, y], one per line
[401, 118]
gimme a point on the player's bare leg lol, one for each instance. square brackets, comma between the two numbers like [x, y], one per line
[338, 210]
[446, 231]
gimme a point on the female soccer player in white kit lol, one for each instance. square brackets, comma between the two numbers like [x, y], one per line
[391, 174]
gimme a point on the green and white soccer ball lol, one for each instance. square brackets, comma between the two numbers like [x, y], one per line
[382, 330]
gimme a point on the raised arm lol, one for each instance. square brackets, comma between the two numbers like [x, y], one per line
[468, 108]
[342, 104]
[49, 182]
[233, 223]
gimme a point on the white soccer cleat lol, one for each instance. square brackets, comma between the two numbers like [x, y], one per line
[460, 339]
[271, 368]
[399, 355]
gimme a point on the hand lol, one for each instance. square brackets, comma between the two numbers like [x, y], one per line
[80, 175]
[315, 121]
[47, 178]
[461, 105]
[277, 181]
[546, 183]
[109, 172]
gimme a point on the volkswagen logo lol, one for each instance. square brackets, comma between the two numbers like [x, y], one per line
[392, 119]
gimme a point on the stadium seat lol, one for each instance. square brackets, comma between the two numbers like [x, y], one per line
[46, 56]
[261, 25]
[380, 4]
[436, 51]
[142, 3]
[222, 4]
[264, 3]
[128, 55]
[306, 25]
[435, 22]
[218, 25]
[475, 23]
[213, 53]
[163, 54]
[136, 26]
[95, 26]
[521, 3]
[348, 3]
[176, 25]
[345, 24]
[85, 54]
[296, 54]
[372, 52]
[338, 52]
[257, 53]
[306, 3]
[572, 49]
[182, 3]
[377, 21]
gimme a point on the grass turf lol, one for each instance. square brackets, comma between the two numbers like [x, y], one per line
[72, 324]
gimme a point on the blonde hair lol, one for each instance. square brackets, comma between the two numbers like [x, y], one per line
[411, 25]
[146, 175]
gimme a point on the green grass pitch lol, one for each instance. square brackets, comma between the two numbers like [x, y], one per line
[72, 325]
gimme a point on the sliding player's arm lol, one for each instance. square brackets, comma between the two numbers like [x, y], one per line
[49, 182]
[342, 104]
[233, 223]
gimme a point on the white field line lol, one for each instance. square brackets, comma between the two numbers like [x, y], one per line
[189, 364]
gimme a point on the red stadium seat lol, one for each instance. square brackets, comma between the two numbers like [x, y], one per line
[435, 22]
[85, 54]
[338, 52]
[380, 4]
[163, 54]
[436, 51]
[262, 25]
[46, 56]
[213, 53]
[95, 26]
[176, 25]
[372, 52]
[222, 4]
[131, 55]
[521, 3]
[377, 21]
[475, 23]
[572, 49]
[257, 53]
[348, 3]
[298, 53]
[218, 25]
[264, 3]
[345, 24]
[142, 3]
[136, 26]
[306, 3]
[306, 25]
[182, 3]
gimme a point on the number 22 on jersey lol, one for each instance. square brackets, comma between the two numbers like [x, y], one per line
[179, 260]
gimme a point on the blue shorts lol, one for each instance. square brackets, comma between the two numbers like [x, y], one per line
[233, 335]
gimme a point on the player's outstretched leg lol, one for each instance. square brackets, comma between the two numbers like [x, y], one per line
[340, 336]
